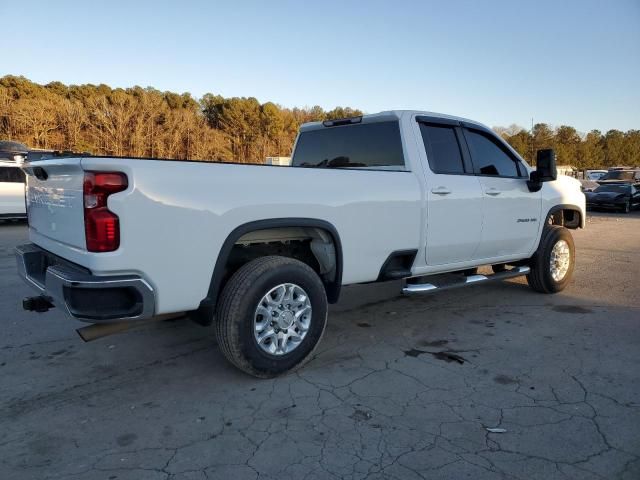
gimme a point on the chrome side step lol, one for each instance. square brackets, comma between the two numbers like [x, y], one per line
[415, 288]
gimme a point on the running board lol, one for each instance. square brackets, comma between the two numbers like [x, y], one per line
[415, 288]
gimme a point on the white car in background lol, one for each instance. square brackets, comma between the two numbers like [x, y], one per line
[12, 181]
[594, 175]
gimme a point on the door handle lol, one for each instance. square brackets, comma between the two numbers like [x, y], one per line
[492, 191]
[441, 191]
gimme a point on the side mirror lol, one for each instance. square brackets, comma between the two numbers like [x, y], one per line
[545, 170]
[546, 165]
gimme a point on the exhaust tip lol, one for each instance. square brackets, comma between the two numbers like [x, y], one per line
[98, 330]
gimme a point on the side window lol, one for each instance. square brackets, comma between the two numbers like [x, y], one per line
[11, 175]
[443, 148]
[375, 146]
[489, 157]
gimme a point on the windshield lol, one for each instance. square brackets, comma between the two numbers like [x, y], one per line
[613, 188]
[618, 175]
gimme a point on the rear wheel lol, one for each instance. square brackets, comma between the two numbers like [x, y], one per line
[553, 263]
[271, 316]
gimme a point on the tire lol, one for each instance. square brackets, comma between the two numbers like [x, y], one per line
[237, 315]
[499, 267]
[541, 278]
[626, 208]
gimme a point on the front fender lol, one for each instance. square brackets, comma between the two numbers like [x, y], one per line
[564, 194]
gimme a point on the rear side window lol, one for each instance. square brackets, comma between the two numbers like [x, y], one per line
[489, 157]
[376, 146]
[11, 175]
[443, 148]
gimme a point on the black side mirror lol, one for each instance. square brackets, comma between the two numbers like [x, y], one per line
[545, 169]
[546, 165]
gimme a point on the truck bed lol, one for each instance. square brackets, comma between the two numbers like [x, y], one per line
[175, 216]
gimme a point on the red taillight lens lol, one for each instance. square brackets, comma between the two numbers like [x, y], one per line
[101, 227]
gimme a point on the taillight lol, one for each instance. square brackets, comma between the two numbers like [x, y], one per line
[101, 227]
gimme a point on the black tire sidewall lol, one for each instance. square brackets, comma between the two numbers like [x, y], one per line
[308, 280]
[553, 236]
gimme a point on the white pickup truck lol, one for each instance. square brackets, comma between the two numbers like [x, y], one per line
[260, 250]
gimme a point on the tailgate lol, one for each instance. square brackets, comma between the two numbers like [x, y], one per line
[55, 200]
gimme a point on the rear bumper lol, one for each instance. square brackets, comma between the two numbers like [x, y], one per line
[80, 294]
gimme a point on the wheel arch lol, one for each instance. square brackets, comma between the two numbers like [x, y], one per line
[204, 314]
[567, 215]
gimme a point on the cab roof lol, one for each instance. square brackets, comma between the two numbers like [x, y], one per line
[385, 116]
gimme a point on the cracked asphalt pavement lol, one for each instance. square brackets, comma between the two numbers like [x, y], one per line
[400, 388]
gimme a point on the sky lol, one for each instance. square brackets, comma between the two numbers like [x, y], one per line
[573, 62]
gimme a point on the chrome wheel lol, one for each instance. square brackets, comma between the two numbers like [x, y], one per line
[282, 319]
[560, 260]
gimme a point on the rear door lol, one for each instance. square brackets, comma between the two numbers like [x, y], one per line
[511, 213]
[55, 200]
[454, 196]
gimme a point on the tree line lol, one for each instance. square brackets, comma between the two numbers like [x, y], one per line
[145, 122]
[583, 151]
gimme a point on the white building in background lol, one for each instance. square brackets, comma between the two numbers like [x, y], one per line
[283, 161]
[565, 170]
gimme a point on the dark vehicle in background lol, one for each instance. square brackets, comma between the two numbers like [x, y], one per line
[588, 185]
[620, 176]
[619, 196]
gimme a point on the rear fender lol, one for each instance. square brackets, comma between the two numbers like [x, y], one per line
[205, 313]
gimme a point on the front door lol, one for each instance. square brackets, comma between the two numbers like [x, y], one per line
[511, 213]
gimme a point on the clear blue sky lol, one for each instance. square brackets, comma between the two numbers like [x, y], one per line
[499, 62]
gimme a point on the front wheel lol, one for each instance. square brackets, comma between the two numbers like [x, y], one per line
[271, 316]
[553, 263]
[626, 208]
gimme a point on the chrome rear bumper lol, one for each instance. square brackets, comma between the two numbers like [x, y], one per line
[80, 294]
